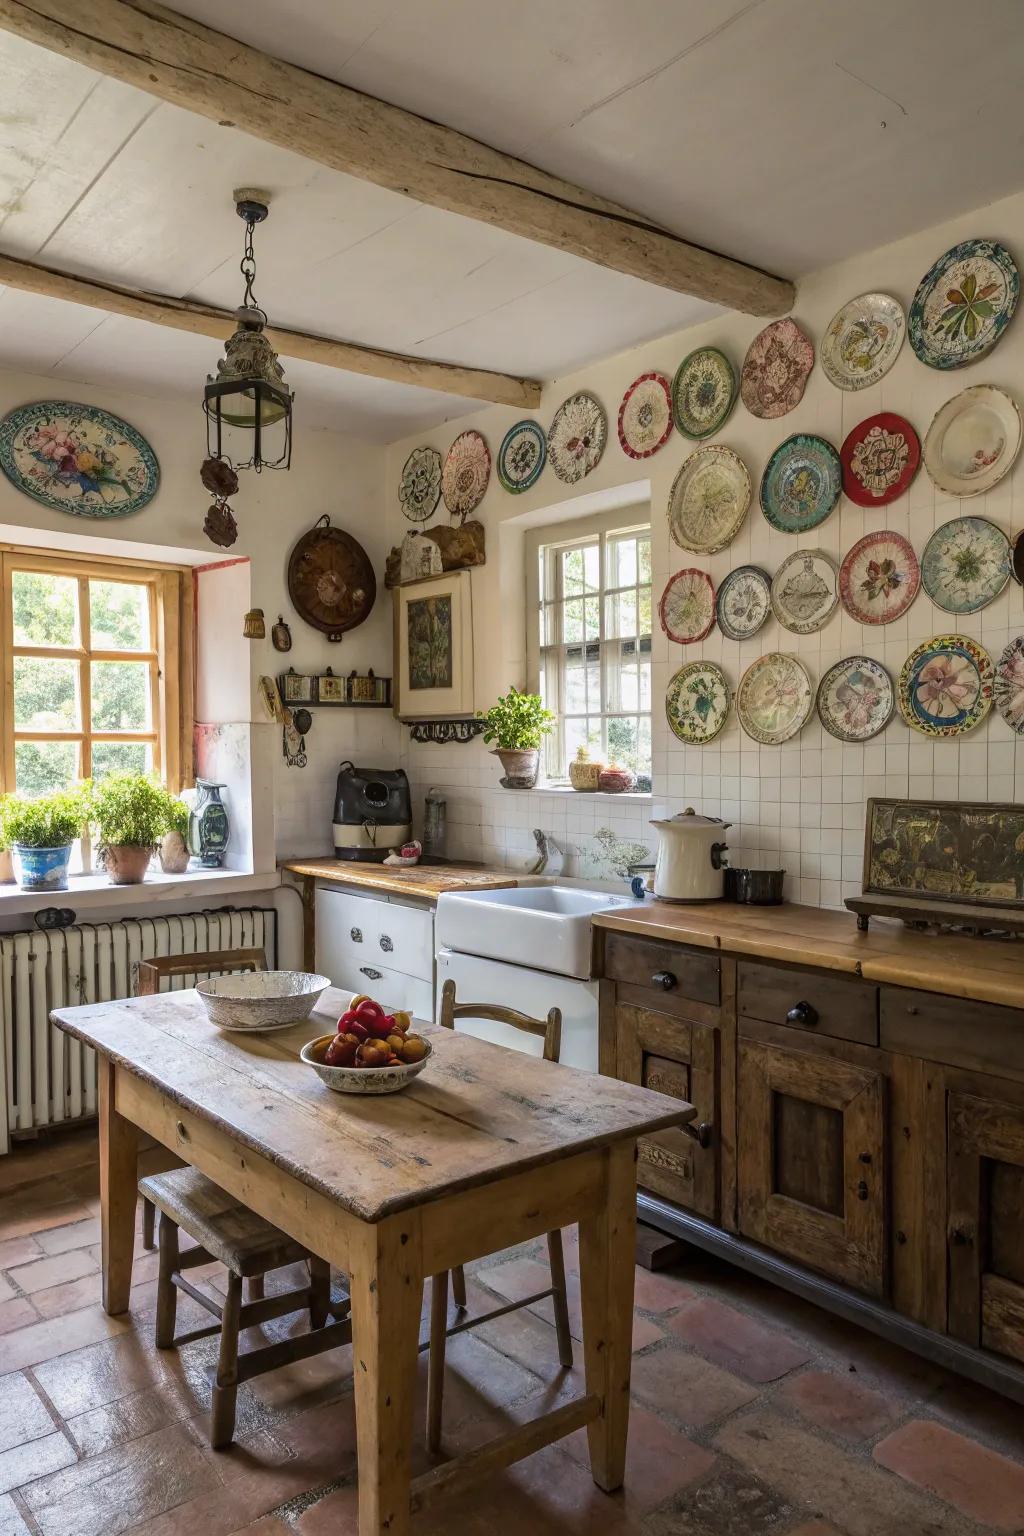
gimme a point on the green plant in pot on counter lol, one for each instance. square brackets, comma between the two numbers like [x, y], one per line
[518, 722]
[174, 854]
[129, 812]
[40, 834]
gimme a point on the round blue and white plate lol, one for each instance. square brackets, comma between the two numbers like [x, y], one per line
[801, 483]
[521, 457]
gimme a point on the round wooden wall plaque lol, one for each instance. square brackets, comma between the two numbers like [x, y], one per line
[331, 580]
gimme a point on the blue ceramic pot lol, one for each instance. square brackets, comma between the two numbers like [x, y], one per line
[41, 869]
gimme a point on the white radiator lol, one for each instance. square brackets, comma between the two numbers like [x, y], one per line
[46, 1077]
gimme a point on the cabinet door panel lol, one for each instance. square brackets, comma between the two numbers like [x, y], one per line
[986, 1222]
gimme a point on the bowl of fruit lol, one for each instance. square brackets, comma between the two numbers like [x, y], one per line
[372, 1051]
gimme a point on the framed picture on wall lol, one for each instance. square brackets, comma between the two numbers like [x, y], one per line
[434, 647]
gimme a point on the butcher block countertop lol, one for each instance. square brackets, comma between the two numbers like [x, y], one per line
[985, 970]
[426, 881]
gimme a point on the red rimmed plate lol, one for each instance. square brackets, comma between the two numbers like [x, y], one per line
[880, 458]
[879, 578]
[687, 607]
[645, 416]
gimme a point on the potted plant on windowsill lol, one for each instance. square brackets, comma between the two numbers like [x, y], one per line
[518, 722]
[129, 812]
[40, 834]
[174, 854]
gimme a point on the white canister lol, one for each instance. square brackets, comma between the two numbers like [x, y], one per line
[691, 857]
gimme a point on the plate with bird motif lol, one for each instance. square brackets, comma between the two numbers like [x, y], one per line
[879, 577]
[774, 699]
[805, 591]
[743, 602]
[801, 483]
[419, 489]
[645, 416]
[521, 456]
[966, 564]
[1008, 685]
[863, 341]
[855, 699]
[703, 392]
[576, 437]
[963, 304]
[465, 475]
[973, 441]
[709, 499]
[697, 702]
[775, 370]
[945, 687]
[880, 458]
[78, 459]
[687, 607]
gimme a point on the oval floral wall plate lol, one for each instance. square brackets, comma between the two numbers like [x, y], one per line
[709, 499]
[774, 699]
[703, 392]
[855, 699]
[1008, 685]
[419, 490]
[687, 607]
[863, 341]
[467, 469]
[879, 578]
[963, 304]
[697, 702]
[645, 416]
[775, 369]
[801, 483]
[744, 602]
[880, 458]
[966, 564]
[521, 456]
[973, 441]
[805, 591]
[78, 459]
[945, 687]
[576, 437]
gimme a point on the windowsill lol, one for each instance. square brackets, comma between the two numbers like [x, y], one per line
[566, 791]
[95, 891]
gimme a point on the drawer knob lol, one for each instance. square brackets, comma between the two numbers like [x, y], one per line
[356, 935]
[862, 1190]
[803, 1014]
[665, 980]
[368, 970]
[701, 1134]
[960, 1237]
[386, 943]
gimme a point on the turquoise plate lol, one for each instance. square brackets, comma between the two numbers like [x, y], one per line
[801, 483]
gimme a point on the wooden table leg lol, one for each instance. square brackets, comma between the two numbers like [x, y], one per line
[119, 1192]
[386, 1265]
[607, 1259]
[308, 923]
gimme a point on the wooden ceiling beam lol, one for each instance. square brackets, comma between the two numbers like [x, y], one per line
[206, 72]
[204, 320]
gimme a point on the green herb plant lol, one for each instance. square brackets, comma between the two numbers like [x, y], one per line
[176, 815]
[50, 821]
[128, 810]
[518, 722]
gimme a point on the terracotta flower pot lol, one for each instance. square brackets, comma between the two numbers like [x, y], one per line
[174, 854]
[127, 863]
[520, 766]
[614, 780]
[6, 867]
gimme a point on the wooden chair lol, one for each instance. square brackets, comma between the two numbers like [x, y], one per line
[249, 1247]
[203, 963]
[550, 1031]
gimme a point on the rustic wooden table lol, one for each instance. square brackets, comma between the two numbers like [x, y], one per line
[488, 1147]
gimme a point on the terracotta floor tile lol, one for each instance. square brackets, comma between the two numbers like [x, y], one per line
[17, 1314]
[25, 1218]
[54, 1270]
[19, 1250]
[72, 1296]
[11, 1523]
[688, 1388]
[982, 1484]
[35, 1459]
[23, 1414]
[80, 1234]
[736, 1341]
[139, 1414]
[7, 1290]
[660, 1290]
[840, 1404]
[659, 1461]
[101, 1373]
[52, 1336]
[729, 1503]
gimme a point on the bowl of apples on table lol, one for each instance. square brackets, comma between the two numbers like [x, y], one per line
[372, 1051]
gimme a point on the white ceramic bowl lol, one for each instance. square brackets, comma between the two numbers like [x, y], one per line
[261, 999]
[362, 1079]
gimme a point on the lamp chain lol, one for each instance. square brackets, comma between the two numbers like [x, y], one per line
[247, 266]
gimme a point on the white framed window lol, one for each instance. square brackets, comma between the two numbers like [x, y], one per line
[590, 638]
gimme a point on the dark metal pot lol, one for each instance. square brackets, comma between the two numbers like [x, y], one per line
[754, 887]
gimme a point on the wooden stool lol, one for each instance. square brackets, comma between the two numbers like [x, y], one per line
[550, 1031]
[249, 1247]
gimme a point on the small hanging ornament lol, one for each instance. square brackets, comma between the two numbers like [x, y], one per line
[281, 635]
[254, 625]
[218, 477]
[220, 527]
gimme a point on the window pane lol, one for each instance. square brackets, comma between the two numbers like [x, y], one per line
[622, 562]
[572, 572]
[45, 694]
[582, 733]
[620, 614]
[44, 608]
[645, 611]
[118, 616]
[575, 682]
[592, 568]
[120, 696]
[121, 756]
[644, 559]
[40, 767]
[593, 615]
[572, 622]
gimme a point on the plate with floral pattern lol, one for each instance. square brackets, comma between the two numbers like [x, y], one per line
[78, 459]
[521, 456]
[945, 687]
[709, 499]
[963, 304]
[805, 591]
[645, 416]
[1008, 685]
[419, 489]
[703, 392]
[687, 607]
[776, 369]
[855, 699]
[774, 699]
[880, 458]
[801, 483]
[879, 578]
[966, 564]
[973, 441]
[465, 475]
[697, 702]
[576, 437]
[863, 341]
[744, 602]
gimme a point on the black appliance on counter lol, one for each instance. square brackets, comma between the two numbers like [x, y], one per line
[372, 812]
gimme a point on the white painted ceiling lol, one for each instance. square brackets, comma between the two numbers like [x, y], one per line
[789, 133]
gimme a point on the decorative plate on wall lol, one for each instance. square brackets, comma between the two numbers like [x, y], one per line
[863, 341]
[774, 699]
[855, 699]
[576, 437]
[419, 490]
[466, 472]
[703, 392]
[879, 578]
[331, 580]
[973, 441]
[880, 458]
[709, 499]
[966, 564]
[687, 606]
[697, 702]
[963, 304]
[805, 591]
[1008, 685]
[801, 483]
[744, 602]
[945, 687]
[645, 416]
[775, 369]
[77, 459]
[524, 448]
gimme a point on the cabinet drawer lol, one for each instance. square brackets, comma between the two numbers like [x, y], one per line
[373, 931]
[668, 969]
[824, 1005]
[392, 989]
[981, 1037]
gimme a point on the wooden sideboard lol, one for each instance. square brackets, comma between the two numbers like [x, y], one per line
[860, 1114]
